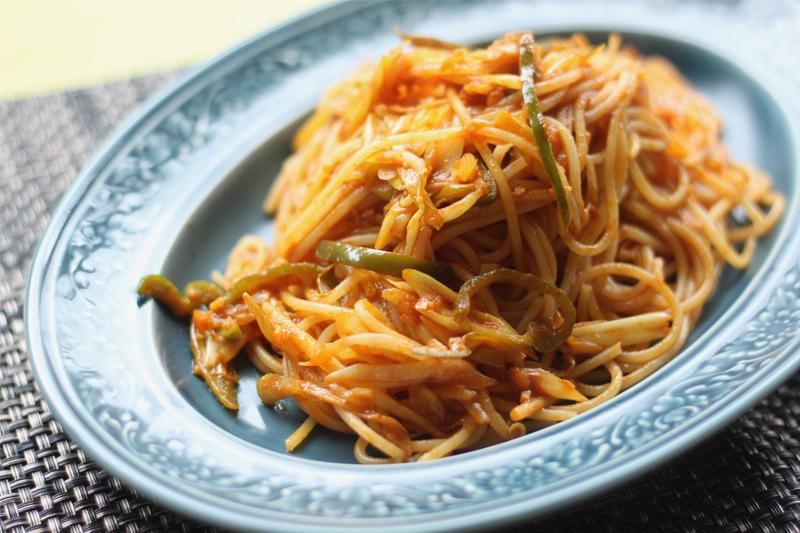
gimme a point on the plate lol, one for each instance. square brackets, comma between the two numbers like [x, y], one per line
[178, 184]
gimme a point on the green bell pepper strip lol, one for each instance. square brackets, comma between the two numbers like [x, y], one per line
[200, 293]
[528, 76]
[380, 261]
[543, 337]
[255, 282]
[195, 295]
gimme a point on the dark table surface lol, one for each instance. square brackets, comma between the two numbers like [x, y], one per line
[745, 478]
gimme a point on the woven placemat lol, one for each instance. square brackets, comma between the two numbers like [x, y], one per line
[746, 478]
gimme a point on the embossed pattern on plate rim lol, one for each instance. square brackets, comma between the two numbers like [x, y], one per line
[774, 368]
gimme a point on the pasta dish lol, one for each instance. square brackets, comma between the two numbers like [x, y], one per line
[474, 243]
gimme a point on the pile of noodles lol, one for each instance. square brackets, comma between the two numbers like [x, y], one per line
[430, 153]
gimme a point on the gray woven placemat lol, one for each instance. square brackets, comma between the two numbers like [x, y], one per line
[745, 478]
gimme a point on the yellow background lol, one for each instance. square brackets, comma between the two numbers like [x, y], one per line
[52, 45]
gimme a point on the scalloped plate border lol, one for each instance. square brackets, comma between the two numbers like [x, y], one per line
[472, 490]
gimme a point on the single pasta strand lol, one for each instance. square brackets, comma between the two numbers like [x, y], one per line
[262, 359]
[596, 361]
[300, 434]
[456, 440]
[370, 435]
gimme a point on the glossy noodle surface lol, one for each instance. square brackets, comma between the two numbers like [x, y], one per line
[434, 286]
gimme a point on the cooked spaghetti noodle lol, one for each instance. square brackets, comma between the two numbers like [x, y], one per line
[472, 244]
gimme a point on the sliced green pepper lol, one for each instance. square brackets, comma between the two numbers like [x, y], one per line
[327, 279]
[381, 261]
[196, 293]
[201, 292]
[255, 282]
[528, 76]
[543, 337]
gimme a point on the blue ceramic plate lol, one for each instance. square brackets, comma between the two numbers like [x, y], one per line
[182, 181]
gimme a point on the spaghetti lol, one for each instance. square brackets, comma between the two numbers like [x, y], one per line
[472, 244]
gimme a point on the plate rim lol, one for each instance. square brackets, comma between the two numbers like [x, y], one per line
[107, 152]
